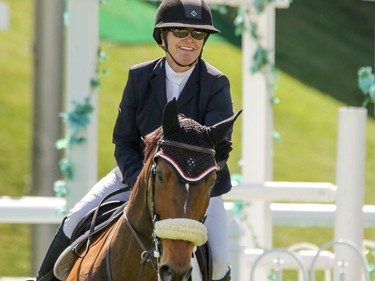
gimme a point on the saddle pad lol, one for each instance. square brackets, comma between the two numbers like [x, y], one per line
[68, 257]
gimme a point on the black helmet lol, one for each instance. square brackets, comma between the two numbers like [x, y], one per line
[183, 13]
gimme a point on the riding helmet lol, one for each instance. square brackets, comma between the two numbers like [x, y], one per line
[185, 14]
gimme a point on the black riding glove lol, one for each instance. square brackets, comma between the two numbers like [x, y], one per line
[222, 149]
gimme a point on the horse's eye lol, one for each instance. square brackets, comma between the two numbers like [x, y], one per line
[159, 175]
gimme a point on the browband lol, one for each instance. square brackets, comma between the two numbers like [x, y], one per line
[187, 146]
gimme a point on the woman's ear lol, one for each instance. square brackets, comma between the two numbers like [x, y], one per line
[163, 37]
[162, 45]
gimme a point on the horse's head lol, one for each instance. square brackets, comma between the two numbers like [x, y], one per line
[180, 182]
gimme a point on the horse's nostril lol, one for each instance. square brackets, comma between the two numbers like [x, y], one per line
[166, 273]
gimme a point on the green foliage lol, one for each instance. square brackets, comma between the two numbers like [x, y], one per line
[239, 22]
[79, 118]
[260, 59]
[366, 83]
[260, 5]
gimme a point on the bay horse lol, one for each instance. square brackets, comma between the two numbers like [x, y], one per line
[161, 225]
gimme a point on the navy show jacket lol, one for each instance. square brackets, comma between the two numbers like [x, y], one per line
[205, 98]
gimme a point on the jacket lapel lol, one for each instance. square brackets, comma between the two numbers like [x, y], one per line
[158, 84]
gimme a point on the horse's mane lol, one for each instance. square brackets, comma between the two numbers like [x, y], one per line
[150, 142]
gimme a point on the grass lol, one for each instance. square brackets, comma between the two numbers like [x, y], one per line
[317, 65]
[15, 124]
[15, 100]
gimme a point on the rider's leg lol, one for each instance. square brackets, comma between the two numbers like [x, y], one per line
[109, 183]
[46, 269]
[216, 223]
[60, 243]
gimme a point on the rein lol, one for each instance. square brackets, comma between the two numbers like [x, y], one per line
[145, 256]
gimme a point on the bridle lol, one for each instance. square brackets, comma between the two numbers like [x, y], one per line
[154, 254]
[152, 175]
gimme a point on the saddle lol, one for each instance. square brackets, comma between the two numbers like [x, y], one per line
[104, 215]
[95, 221]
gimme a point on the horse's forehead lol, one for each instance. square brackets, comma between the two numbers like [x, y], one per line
[193, 167]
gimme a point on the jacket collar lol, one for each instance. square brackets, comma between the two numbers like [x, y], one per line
[191, 88]
[158, 84]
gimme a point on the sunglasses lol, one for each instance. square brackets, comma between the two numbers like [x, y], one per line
[182, 33]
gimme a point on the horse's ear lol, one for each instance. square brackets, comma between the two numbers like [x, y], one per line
[170, 118]
[218, 131]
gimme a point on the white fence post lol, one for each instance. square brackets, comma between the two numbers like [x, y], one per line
[236, 244]
[350, 181]
[257, 129]
[82, 49]
[257, 148]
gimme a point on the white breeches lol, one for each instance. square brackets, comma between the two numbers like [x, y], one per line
[216, 221]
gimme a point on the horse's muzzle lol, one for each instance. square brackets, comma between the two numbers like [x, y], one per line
[166, 273]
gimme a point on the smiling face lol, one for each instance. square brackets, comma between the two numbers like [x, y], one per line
[184, 50]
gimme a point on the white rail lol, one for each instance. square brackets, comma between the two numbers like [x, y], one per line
[45, 210]
[274, 191]
[33, 210]
[313, 215]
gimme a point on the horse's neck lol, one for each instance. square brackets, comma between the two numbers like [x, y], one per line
[127, 247]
